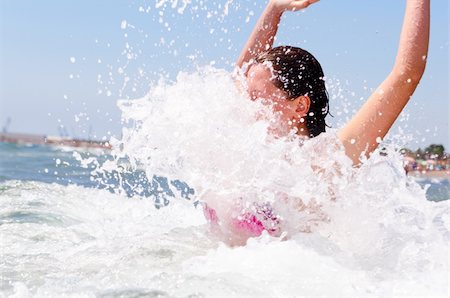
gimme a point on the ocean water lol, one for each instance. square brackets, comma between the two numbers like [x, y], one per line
[129, 223]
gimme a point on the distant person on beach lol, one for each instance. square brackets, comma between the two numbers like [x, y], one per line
[292, 80]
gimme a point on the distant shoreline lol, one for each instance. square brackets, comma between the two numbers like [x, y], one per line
[22, 138]
[430, 174]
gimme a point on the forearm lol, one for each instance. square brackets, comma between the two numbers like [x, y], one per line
[373, 121]
[413, 46]
[263, 34]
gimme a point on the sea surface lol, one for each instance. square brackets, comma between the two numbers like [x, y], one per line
[64, 234]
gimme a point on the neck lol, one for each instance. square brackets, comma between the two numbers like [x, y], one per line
[283, 130]
[302, 130]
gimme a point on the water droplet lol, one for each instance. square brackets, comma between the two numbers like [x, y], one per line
[123, 24]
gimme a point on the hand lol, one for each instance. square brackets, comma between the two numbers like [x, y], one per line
[292, 5]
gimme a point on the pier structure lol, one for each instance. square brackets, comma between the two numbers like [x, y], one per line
[22, 138]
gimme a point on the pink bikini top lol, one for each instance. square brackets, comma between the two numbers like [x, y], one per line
[251, 222]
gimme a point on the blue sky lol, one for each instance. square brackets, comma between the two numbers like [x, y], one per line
[53, 52]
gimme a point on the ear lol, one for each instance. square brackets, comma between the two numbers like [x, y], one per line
[302, 105]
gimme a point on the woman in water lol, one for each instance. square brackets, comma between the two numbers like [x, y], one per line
[291, 80]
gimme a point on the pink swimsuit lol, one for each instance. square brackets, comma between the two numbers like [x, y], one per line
[252, 224]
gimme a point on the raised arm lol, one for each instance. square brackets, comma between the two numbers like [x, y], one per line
[372, 122]
[263, 34]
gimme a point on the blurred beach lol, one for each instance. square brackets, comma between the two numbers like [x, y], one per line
[442, 174]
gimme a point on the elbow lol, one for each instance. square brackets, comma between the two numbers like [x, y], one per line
[410, 73]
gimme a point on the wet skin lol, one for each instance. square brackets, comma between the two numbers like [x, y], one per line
[261, 87]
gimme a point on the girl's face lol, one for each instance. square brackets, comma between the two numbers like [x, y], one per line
[260, 86]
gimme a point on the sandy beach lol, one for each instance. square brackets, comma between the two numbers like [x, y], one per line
[430, 174]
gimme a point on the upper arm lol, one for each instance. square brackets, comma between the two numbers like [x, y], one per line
[362, 134]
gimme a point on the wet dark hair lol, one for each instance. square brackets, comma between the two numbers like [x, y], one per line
[298, 73]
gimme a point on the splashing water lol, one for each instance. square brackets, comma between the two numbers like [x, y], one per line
[343, 231]
[340, 231]
[368, 232]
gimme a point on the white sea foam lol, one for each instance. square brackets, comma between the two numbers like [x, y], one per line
[372, 231]
[77, 242]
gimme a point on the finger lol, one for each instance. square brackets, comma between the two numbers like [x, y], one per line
[297, 5]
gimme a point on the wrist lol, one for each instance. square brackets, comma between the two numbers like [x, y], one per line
[272, 7]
